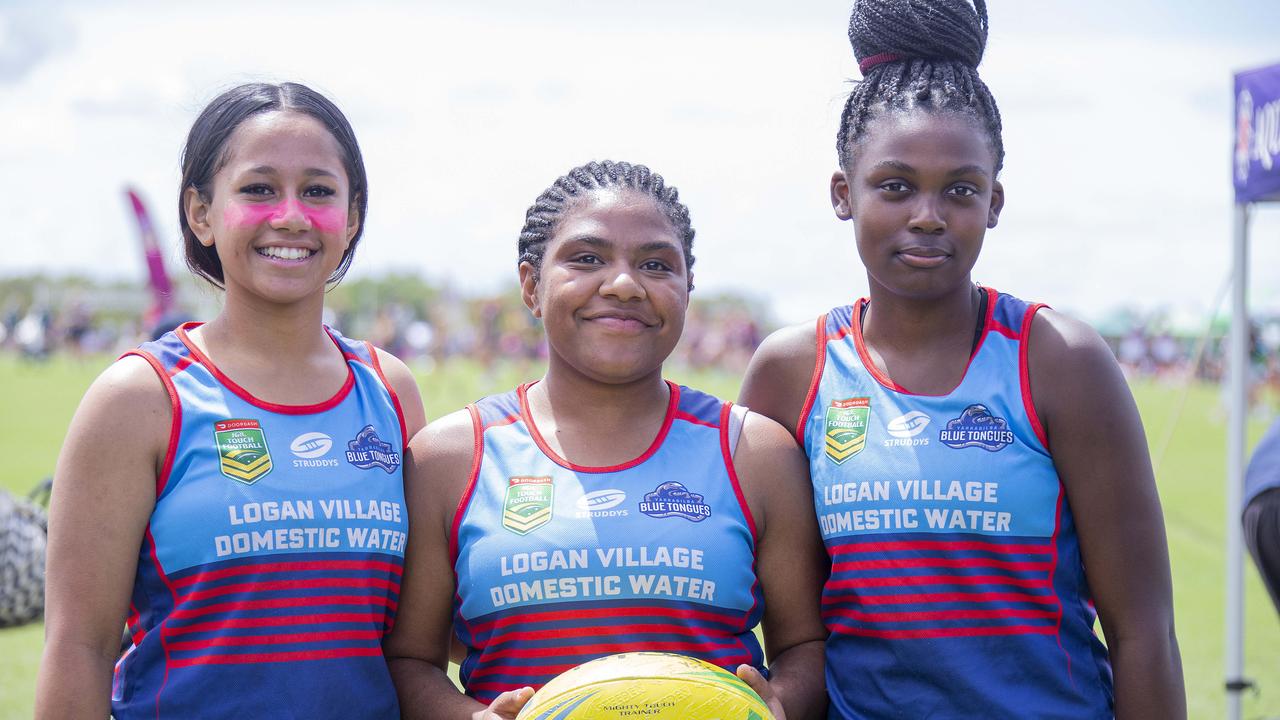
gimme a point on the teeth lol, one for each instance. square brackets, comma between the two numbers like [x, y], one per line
[285, 253]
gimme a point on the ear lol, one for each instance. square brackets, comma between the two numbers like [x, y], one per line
[197, 210]
[840, 196]
[529, 288]
[353, 222]
[997, 204]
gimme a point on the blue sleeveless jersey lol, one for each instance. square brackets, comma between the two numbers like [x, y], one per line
[956, 587]
[558, 564]
[270, 569]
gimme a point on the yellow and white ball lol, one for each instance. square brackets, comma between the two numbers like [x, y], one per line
[648, 686]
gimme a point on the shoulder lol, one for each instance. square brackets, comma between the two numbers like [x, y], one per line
[770, 466]
[781, 371]
[129, 385]
[1066, 355]
[127, 411]
[438, 465]
[405, 386]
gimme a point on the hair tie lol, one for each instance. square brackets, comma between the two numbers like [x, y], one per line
[877, 59]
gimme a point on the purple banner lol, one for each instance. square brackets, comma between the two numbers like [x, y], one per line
[1256, 165]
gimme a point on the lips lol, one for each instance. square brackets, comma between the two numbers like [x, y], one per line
[621, 320]
[923, 257]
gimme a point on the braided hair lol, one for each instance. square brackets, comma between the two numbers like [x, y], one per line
[541, 218]
[918, 54]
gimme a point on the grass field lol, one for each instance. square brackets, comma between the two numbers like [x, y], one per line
[38, 401]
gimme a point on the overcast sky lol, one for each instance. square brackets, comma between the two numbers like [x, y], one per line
[1117, 119]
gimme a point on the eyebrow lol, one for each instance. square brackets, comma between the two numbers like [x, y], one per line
[903, 167]
[309, 172]
[598, 242]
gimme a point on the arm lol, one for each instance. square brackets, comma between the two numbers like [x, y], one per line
[405, 387]
[790, 562]
[437, 468]
[778, 378]
[1100, 451]
[101, 503]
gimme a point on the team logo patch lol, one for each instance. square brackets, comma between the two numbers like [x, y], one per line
[369, 451]
[846, 428]
[528, 504]
[977, 427]
[243, 455]
[672, 499]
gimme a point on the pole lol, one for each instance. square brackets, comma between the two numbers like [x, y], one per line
[1238, 408]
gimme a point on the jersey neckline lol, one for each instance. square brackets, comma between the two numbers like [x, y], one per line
[673, 404]
[861, 345]
[243, 394]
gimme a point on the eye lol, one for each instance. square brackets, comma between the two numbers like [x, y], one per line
[318, 191]
[963, 191]
[586, 259]
[656, 266]
[259, 189]
[895, 187]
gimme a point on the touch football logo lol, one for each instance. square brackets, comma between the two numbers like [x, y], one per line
[309, 450]
[906, 428]
[601, 503]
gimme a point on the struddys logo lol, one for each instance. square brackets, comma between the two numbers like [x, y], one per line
[977, 427]
[672, 499]
[369, 451]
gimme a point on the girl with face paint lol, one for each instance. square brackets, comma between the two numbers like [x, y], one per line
[232, 492]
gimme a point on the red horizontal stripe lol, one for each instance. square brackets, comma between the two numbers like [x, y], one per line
[282, 621]
[893, 563]
[610, 648]
[273, 603]
[557, 633]
[682, 415]
[917, 633]
[893, 546]
[594, 613]
[924, 615]
[298, 566]
[897, 580]
[539, 671]
[261, 588]
[238, 640]
[288, 656]
[942, 597]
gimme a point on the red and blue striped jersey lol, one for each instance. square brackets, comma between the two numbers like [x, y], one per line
[270, 568]
[956, 587]
[557, 563]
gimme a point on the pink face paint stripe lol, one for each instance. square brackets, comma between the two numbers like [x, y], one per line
[327, 219]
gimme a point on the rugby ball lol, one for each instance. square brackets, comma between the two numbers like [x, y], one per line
[649, 685]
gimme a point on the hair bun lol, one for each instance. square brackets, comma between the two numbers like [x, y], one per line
[948, 30]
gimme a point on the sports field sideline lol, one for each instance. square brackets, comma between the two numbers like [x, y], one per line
[1187, 422]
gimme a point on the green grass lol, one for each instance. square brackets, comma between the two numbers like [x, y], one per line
[39, 401]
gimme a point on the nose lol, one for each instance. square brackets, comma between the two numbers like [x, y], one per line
[927, 217]
[289, 215]
[622, 285]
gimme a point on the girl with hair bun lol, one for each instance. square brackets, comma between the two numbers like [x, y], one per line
[979, 468]
[232, 492]
[604, 509]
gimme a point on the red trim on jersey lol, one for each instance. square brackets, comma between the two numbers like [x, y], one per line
[947, 597]
[928, 615]
[897, 581]
[182, 363]
[1057, 526]
[281, 621]
[860, 343]
[1024, 375]
[899, 563]
[644, 628]
[820, 361]
[645, 612]
[150, 540]
[253, 399]
[948, 632]
[673, 404]
[279, 603]
[295, 566]
[175, 423]
[501, 422]
[477, 455]
[395, 399]
[873, 546]
[258, 585]
[289, 656]
[682, 415]
[281, 639]
[725, 409]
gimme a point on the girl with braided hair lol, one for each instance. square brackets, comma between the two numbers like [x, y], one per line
[603, 509]
[979, 468]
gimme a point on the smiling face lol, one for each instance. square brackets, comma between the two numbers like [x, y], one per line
[921, 191]
[613, 287]
[279, 212]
